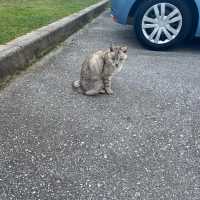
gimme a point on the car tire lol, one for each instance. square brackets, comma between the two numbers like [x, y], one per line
[154, 15]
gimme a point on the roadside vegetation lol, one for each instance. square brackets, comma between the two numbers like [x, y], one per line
[18, 17]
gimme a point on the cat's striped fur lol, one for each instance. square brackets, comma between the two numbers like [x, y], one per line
[97, 71]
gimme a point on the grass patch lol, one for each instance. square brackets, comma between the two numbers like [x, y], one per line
[18, 17]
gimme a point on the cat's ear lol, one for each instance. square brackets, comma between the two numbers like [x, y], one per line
[111, 48]
[124, 49]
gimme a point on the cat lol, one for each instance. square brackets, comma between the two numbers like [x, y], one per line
[98, 69]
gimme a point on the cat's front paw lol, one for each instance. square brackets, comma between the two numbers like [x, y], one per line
[102, 91]
[109, 91]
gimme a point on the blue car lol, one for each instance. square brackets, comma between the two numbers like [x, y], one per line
[159, 24]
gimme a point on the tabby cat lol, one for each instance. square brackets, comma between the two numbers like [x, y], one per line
[97, 71]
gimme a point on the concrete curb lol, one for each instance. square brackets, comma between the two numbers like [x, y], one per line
[23, 51]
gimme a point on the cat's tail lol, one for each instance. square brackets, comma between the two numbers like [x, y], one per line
[76, 84]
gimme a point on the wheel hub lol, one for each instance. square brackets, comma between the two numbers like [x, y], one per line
[162, 23]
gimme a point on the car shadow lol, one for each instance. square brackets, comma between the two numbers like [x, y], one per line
[193, 45]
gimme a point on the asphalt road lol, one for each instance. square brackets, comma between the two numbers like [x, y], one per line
[142, 143]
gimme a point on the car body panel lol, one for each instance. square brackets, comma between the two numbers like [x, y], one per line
[198, 27]
[122, 8]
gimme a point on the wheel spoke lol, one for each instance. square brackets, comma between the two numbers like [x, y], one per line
[175, 19]
[156, 10]
[167, 34]
[153, 33]
[149, 25]
[149, 19]
[162, 10]
[172, 14]
[171, 29]
[158, 35]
